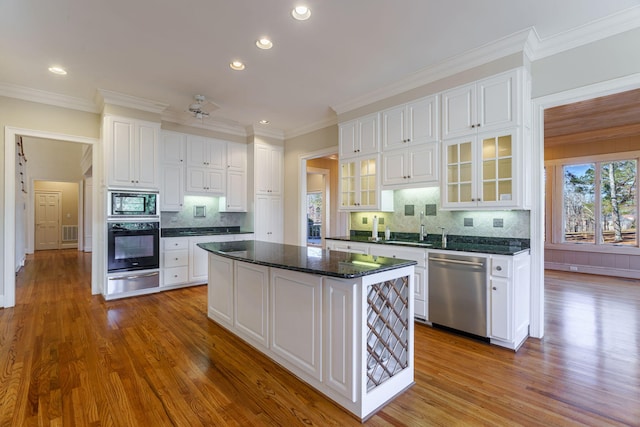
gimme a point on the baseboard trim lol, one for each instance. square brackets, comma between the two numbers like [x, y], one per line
[589, 269]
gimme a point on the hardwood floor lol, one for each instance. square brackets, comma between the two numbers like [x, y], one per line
[69, 358]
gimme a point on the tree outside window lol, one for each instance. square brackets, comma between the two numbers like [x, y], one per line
[603, 194]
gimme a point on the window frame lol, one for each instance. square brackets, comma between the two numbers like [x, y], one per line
[554, 186]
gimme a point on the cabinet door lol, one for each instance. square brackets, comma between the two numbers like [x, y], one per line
[172, 188]
[172, 148]
[251, 305]
[339, 334]
[459, 173]
[459, 111]
[348, 139]
[237, 157]
[394, 167]
[197, 151]
[497, 102]
[269, 161]
[497, 169]
[146, 158]
[236, 194]
[421, 120]
[393, 128]
[500, 318]
[367, 182]
[121, 150]
[422, 163]
[220, 290]
[368, 139]
[420, 293]
[217, 153]
[276, 160]
[262, 228]
[276, 219]
[296, 320]
[348, 179]
[198, 262]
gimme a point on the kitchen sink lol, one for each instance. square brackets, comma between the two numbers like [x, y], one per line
[407, 243]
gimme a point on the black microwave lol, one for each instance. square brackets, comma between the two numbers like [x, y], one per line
[133, 204]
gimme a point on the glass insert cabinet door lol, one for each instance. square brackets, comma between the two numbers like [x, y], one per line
[348, 184]
[497, 168]
[358, 183]
[459, 169]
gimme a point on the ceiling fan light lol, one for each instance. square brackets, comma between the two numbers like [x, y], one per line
[301, 13]
[58, 70]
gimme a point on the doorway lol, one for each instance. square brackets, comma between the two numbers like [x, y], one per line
[318, 204]
[14, 207]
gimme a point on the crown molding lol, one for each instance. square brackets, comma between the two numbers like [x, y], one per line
[597, 30]
[321, 124]
[104, 96]
[506, 46]
[49, 98]
[269, 133]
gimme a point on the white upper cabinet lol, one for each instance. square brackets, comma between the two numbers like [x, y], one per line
[488, 104]
[410, 124]
[268, 163]
[132, 153]
[235, 199]
[172, 155]
[359, 137]
[206, 165]
[417, 165]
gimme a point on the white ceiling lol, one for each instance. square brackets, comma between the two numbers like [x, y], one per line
[168, 51]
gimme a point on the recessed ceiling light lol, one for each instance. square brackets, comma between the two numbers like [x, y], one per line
[58, 70]
[301, 13]
[264, 122]
[264, 43]
[237, 65]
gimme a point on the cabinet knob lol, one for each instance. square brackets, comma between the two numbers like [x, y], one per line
[498, 268]
[494, 288]
[175, 275]
[176, 259]
[478, 125]
[473, 126]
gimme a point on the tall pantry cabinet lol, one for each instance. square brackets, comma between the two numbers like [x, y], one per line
[265, 168]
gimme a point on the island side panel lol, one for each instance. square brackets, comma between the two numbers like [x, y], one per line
[220, 290]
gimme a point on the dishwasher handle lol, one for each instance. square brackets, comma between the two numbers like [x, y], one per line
[457, 261]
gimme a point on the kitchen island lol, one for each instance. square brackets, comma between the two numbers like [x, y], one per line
[342, 323]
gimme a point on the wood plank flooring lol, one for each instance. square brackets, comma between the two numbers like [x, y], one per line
[69, 358]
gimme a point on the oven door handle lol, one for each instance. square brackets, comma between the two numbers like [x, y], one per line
[138, 276]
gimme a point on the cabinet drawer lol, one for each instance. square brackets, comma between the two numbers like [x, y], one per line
[391, 251]
[176, 258]
[169, 244]
[500, 267]
[175, 275]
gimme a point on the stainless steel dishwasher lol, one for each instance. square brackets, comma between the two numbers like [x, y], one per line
[458, 292]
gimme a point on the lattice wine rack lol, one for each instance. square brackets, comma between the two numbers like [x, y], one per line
[388, 330]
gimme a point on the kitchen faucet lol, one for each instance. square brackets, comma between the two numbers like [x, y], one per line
[422, 233]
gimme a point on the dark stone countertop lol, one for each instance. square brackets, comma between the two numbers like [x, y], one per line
[201, 231]
[476, 244]
[306, 260]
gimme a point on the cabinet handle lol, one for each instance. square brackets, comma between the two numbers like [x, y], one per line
[498, 268]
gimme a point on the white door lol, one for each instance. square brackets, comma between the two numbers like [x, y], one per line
[47, 233]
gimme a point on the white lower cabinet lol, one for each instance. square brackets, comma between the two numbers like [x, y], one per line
[420, 290]
[338, 348]
[251, 303]
[353, 247]
[220, 297]
[510, 295]
[296, 321]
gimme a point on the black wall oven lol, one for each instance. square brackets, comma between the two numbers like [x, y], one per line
[133, 245]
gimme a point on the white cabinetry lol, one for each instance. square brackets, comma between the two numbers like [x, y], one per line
[413, 123]
[296, 321]
[510, 291]
[251, 303]
[483, 171]
[269, 160]
[235, 198]
[359, 137]
[344, 246]
[420, 278]
[172, 159]
[266, 183]
[417, 164]
[206, 165]
[220, 290]
[488, 104]
[131, 153]
[175, 261]
[269, 219]
[360, 185]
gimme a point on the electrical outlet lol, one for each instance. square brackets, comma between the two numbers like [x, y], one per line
[573, 268]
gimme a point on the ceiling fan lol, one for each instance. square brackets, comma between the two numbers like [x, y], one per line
[201, 108]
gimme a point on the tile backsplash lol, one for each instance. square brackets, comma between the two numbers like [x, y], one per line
[212, 216]
[484, 223]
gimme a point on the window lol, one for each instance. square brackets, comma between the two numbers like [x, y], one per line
[600, 202]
